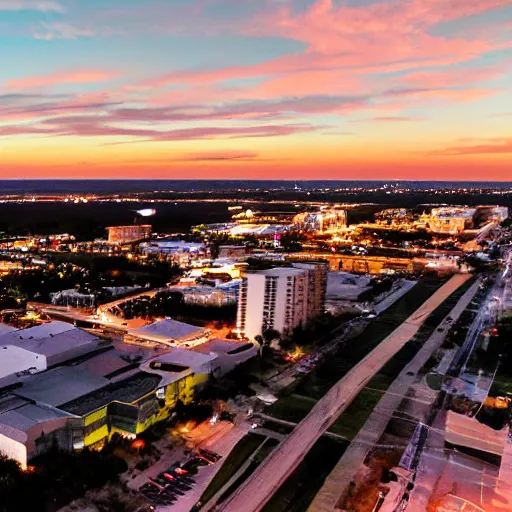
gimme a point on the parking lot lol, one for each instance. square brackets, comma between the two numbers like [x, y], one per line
[177, 479]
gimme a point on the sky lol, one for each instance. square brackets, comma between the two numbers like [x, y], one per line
[256, 89]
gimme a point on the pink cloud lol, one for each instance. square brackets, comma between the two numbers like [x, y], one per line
[453, 77]
[94, 126]
[67, 77]
[346, 46]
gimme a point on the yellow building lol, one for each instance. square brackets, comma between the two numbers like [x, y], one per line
[132, 405]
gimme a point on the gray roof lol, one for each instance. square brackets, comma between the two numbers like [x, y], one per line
[4, 329]
[28, 416]
[166, 330]
[222, 346]
[52, 341]
[108, 363]
[17, 416]
[126, 391]
[60, 385]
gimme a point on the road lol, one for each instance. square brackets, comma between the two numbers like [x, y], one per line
[434, 459]
[274, 471]
[341, 334]
[353, 458]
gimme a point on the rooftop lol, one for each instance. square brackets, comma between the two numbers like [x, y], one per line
[50, 339]
[60, 385]
[109, 363]
[178, 363]
[4, 329]
[29, 415]
[222, 346]
[186, 359]
[278, 271]
[127, 391]
[167, 330]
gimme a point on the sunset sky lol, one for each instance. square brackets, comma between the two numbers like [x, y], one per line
[263, 89]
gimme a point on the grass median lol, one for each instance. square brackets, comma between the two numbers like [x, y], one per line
[234, 461]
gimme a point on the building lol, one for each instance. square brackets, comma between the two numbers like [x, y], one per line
[178, 251]
[94, 390]
[233, 252]
[454, 220]
[281, 298]
[168, 332]
[257, 217]
[325, 220]
[41, 347]
[120, 389]
[128, 234]
[230, 354]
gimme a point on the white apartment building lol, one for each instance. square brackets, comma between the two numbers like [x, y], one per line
[280, 298]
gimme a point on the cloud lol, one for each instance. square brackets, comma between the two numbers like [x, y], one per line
[67, 77]
[454, 77]
[30, 5]
[255, 109]
[352, 50]
[492, 146]
[196, 133]
[217, 156]
[338, 133]
[50, 31]
[390, 119]
[98, 126]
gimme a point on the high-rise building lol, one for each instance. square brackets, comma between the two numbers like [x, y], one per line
[281, 298]
[128, 234]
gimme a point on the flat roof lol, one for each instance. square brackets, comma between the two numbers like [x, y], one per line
[14, 359]
[278, 271]
[108, 363]
[18, 415]
[50, 339]
[187, 358]
[4, 329]
[29, 415]
[126, 391]
[167, 330]
[60, 385]
[177, 363]
[222, 346]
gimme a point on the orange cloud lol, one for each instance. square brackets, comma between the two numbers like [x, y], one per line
[67, 77]
[492, 146]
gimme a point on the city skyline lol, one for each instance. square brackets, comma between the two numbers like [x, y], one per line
[277, 89]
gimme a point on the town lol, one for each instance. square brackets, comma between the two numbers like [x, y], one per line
[305, 355]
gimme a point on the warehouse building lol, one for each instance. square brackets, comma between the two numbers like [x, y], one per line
[87, 391]
[41, 347]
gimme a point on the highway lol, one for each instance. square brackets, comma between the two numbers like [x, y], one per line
[431, 464]
[353, 459]
[273, 472]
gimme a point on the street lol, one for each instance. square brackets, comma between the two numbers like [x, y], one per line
[273, 472]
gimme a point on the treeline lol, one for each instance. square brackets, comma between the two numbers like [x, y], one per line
[55, 479]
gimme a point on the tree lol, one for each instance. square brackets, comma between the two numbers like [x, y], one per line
[269, 335]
